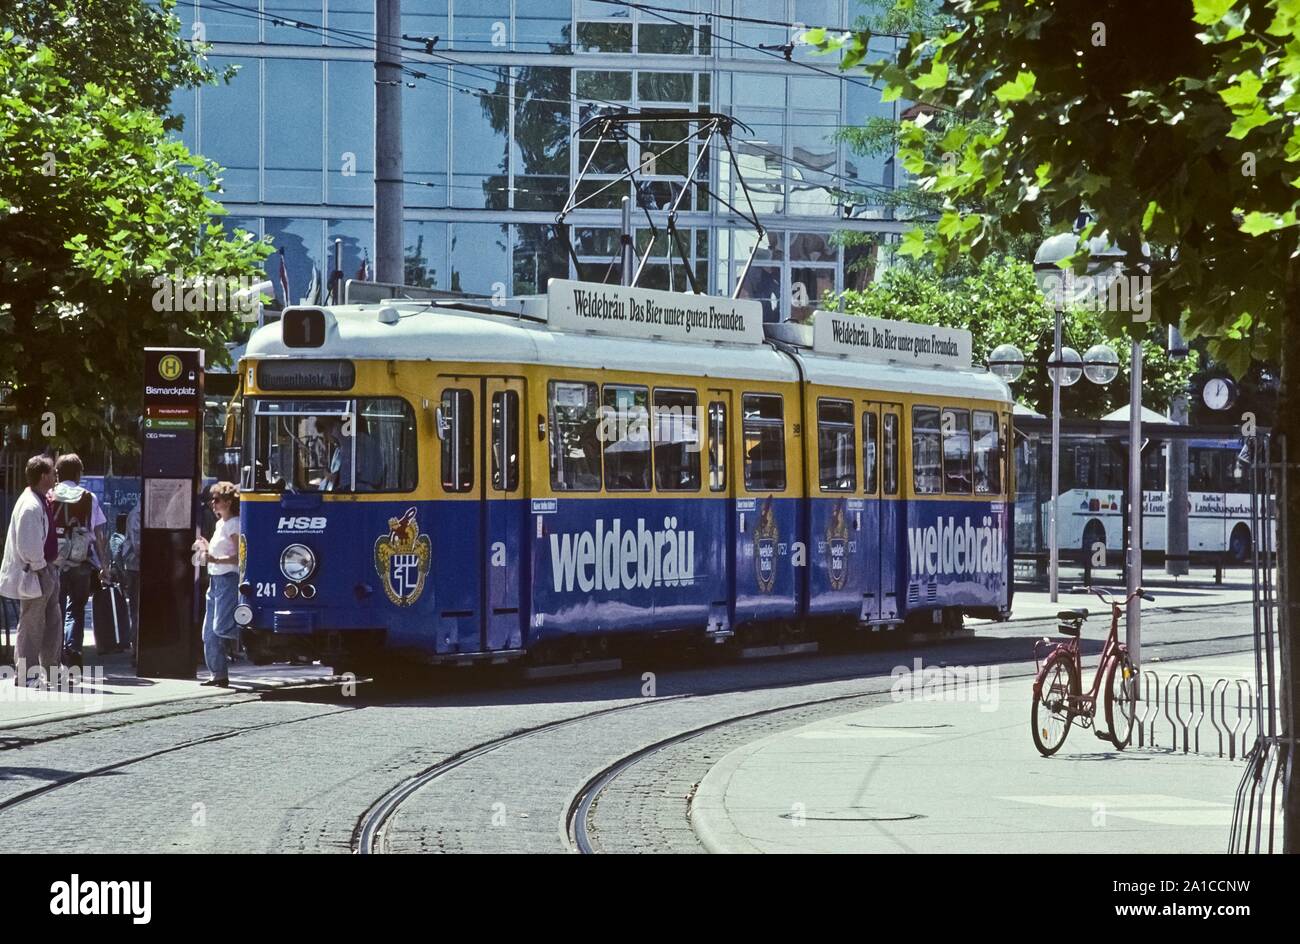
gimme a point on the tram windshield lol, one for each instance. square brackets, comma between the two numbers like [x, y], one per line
[301, 445]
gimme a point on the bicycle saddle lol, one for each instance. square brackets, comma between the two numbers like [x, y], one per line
[1079, 614]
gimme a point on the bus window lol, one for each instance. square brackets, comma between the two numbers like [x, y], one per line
[505, 440]
[835, 446]
[925, 450]
[869, 432]
[625, 433]
[988, 452]
[457, 440]
[1202, 470]
[677, 441]
[891, 454]
[574, 436]
[764, 429]
[1153, 468]
[717, 446]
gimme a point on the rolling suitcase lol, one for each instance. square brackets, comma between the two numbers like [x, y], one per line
[112, 618]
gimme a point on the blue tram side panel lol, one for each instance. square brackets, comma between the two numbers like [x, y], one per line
[441, 576]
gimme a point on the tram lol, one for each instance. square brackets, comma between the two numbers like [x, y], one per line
[459, 480]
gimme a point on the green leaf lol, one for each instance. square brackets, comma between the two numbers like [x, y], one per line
[1209, 12]
[1017, 89]
[1258, 223]
[937, 77]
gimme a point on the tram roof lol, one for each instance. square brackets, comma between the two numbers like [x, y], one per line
[469, 331]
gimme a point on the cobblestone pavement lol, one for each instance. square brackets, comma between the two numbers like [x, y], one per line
[243, 774]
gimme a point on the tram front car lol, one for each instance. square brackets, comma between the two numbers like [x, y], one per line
[334, 552]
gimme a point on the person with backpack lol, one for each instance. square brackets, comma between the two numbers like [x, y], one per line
[82, 530]
[28, 574]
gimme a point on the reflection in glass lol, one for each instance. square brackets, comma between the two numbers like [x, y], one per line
[425, 254]
[424, 141]
[543, 25]
[293, 169]
[665, 39]
[807, 287]
[358, 244]
[479, 150]
[301, 241]
[230, 114]
[541, 136]
[482, 24]
[478, 258]
[604, 37]
[539, 256]
[350, 133]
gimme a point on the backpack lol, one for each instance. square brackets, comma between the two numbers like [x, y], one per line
[70, 522]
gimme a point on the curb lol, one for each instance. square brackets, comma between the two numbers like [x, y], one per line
[708, 816]
[73, 713]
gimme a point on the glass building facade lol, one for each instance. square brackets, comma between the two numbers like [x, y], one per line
[490, 144]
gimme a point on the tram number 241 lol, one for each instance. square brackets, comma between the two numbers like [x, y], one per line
[265, 589]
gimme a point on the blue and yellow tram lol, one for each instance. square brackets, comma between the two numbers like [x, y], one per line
[461, 480]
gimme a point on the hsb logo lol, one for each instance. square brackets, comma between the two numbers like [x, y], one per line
[301, 523]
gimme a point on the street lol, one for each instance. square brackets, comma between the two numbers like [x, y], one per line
[808, 753]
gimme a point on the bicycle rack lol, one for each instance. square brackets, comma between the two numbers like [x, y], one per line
[1150, 709]
[1173, 682]
[1194, 719]
[1219, 693]
[1243, 685]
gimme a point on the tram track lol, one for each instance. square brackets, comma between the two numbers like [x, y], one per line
[369, 835]
[579, 823]
[79, 776]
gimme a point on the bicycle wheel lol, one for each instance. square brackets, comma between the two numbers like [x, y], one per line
[1121, 700]
[1051, 714]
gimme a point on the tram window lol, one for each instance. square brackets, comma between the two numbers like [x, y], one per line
[717, 446]
[505, 440]
[988, 452]
[320, 445]
[677, 440]
[458, 440]
[625, 434]
[926, 450]
[764, 429]
[891, 454]
[574, 435]
[869, 435]
[956, 451]
[836, 446]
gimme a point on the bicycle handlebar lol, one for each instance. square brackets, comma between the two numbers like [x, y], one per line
[1110, 600]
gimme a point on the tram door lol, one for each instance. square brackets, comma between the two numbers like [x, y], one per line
[882, 426]
[502, 512]
[722, 494]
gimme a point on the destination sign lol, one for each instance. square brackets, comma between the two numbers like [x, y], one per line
[651, 313]
[306, 375]
[882, 341]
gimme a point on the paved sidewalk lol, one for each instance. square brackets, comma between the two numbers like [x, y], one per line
[1196, 589]
[964, 776]
[112, 685]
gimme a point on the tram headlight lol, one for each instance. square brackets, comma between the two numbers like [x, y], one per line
[243, 614]
[297, 562]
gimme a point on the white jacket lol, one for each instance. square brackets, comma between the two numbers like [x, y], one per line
[24, 548]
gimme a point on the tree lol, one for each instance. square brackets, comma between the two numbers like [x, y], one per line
[999, 302]
[1174, 124]
[97, 202]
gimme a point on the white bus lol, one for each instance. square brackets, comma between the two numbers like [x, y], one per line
[1093, 482]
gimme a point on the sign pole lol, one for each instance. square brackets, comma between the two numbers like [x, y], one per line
[170, 471]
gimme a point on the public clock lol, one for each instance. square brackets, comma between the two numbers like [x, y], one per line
[1219, 393]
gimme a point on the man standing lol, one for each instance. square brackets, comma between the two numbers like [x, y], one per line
[83, 549]
[28, 574]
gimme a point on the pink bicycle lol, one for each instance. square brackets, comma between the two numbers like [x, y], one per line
[1059, 701]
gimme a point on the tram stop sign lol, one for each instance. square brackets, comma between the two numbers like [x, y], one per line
[170, 470]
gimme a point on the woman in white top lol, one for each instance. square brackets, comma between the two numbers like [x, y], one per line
[221, 554]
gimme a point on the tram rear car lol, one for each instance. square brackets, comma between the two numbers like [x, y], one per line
[451, 482]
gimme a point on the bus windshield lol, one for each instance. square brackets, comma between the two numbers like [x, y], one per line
[299, 445]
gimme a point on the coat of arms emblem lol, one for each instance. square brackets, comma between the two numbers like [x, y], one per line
[837, 547]
[766, 534]
[402, 559]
